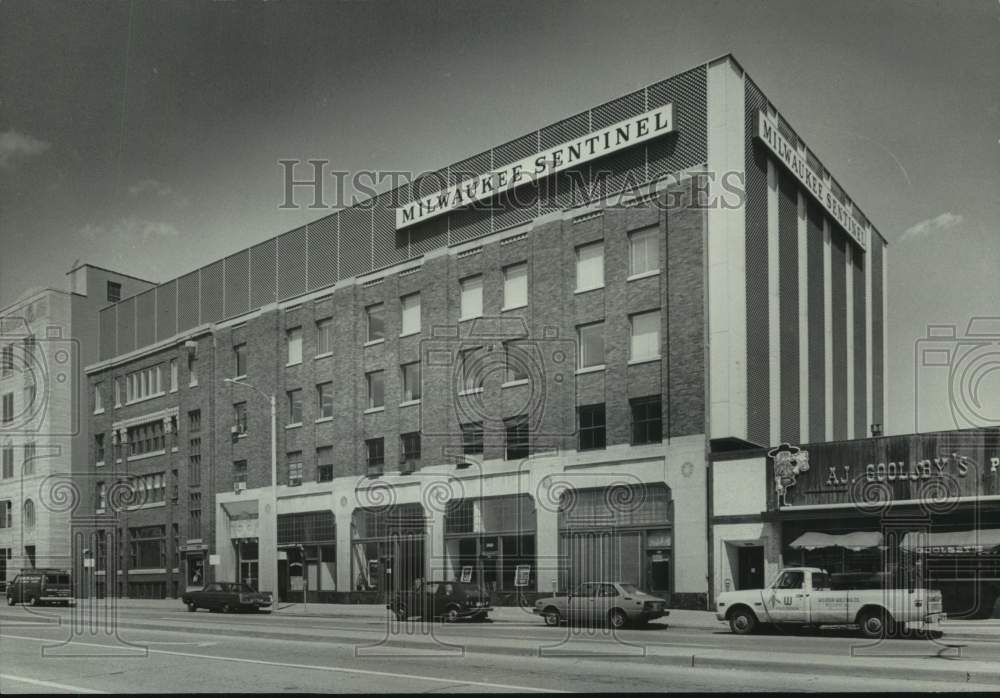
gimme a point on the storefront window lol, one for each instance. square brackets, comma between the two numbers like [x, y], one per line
[308, 540]
[487, 540]
[387, 547]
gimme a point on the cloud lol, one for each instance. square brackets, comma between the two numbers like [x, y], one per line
[129, 231]
[14, 145]
[150, 186]
[932, 226]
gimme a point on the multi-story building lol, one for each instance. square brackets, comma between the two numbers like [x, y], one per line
[512, 371]
[46, 337]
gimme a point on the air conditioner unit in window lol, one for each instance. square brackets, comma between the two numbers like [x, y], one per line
[239, 487]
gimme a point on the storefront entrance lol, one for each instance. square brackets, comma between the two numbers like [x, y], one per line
[750, 567]
[387, 548]
[309, 565]
[247, 561]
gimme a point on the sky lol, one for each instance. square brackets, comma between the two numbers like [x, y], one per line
[146, 135]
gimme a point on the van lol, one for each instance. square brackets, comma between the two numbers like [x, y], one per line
[41, 586]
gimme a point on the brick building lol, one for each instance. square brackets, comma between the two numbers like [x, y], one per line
[46, 337]
[488, 376]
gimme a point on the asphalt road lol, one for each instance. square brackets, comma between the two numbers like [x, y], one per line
[153, 650]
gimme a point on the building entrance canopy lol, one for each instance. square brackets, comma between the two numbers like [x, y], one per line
[954, 542]
[859, 540]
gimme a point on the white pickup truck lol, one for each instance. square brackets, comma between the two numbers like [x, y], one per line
[803, 596]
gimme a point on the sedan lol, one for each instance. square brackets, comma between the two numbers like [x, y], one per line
[616, 603]
[228, 597]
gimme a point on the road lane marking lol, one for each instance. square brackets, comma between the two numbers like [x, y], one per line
[361, 672]
[49, 684]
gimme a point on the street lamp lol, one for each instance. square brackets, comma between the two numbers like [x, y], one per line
[273, 520]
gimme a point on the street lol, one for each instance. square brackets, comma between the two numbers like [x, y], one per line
[166, 649]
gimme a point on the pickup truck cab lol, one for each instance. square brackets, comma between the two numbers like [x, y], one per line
[804, 596]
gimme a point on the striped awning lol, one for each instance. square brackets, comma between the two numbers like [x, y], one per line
[952, 542]
[859, 540]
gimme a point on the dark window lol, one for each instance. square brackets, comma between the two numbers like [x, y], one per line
[295, 469]
[472, 438]
[147, 547]
[295, 406]
[240, 417]
[324, 393]
[194, 521]
[98, 448]
[409, 448]
[114, 292]
[375, 449]
[240, 471]
[376, 322]
[647, 420]
[194, 462]
[240, 350]
[518, 441]
[194, 421]
[324, 464]
[591, 426]
[146, 438]
[8, 408]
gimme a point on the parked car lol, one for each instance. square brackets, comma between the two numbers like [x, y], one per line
[616, 603]
[41, 586]
[448, 601]
[228, 597]
[805, 596]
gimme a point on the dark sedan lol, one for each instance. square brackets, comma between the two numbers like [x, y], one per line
[448, 601]
[228, 597]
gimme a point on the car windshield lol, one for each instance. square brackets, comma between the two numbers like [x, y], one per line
[630, 588]
[246, 588]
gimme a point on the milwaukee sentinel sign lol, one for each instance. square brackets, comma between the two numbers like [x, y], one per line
[629, 132]
[816, 183]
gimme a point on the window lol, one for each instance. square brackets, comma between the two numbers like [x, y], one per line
[100, 496]
[240, 417]
[645, 342]
[472, 297]
[29, 459]
[643, 251]
[194, 515]
[790, 580]
[411, 381]
[144, 383]
[590, 266]
[409, 448]
[515, 286]
[472, 379]
[472, 438]
[194, 462]
[99, 453]
[173, 375]
[324, 396]
[29, 514]
[8, 462]
[194, 421]
[7, 361]
[376, 322]
[239, 472]
[98, 398]
[119, 391]
[175, 485]
[29, 350]
[114, 292]
[175, 530]
[376, 389]
[147, 547]
[295, 406]
[410, 311]
[375, 449]
[294, 469]
[647, 420]
[591, 340]
[6, 514]
[324, 336]
[8, 409]
[324, 464]
[517, 362]
[518, 444]
[293, 338]
[192, 370]
[240, 351]
[146, 438]
[591, 426]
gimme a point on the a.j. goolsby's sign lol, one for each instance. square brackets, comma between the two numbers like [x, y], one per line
[605, 141]
[924, 467]
[796, 161]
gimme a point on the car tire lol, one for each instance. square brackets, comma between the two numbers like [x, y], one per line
[451, 614]
[551, 616]
[11, 601]
[226, 608]
[192, 607]
[876, 624]
[401, 613]
[742, 622]
[617, 619]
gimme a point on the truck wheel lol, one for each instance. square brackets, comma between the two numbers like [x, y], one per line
[742, 622]
[876, 624]
[551, 616]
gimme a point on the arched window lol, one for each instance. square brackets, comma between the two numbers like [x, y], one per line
[29, 514]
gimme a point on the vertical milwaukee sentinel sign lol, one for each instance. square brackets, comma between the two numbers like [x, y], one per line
[629, 132]
[817, 184]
